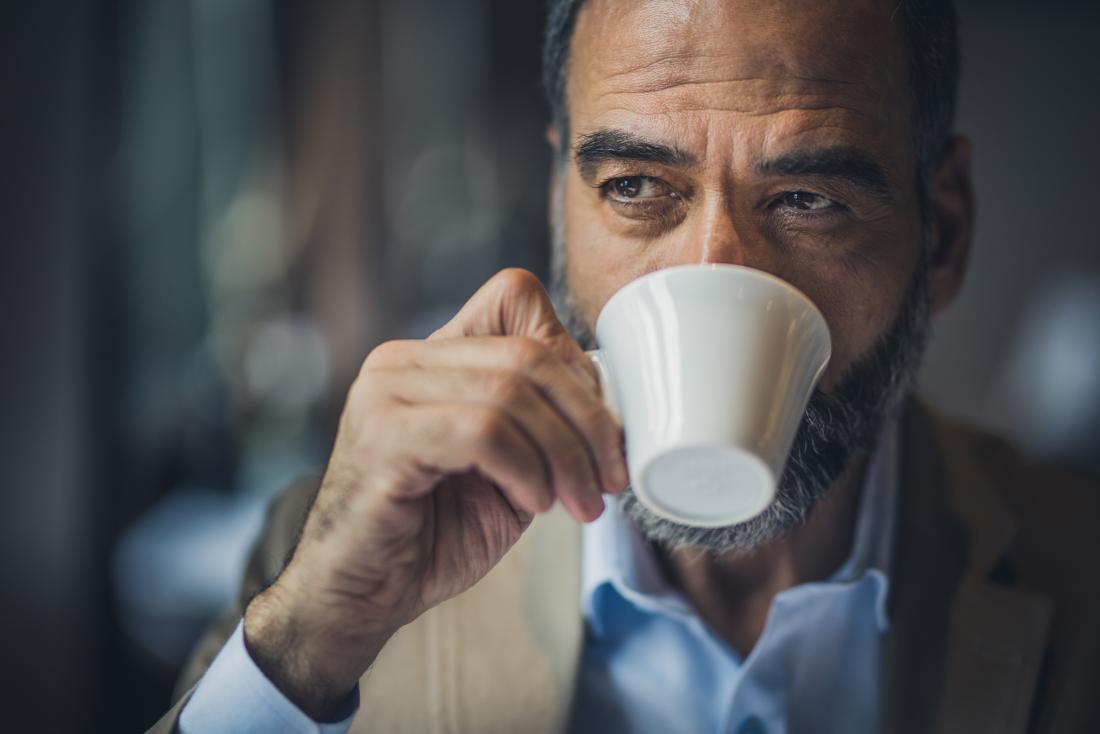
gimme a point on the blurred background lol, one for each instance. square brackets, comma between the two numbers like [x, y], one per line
[212, 210]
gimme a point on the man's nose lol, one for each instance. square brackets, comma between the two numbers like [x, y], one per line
[718, 235]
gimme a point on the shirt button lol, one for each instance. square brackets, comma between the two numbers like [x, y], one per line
[752, 725]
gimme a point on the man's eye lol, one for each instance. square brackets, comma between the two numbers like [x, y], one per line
[637, 188]
[806, 201]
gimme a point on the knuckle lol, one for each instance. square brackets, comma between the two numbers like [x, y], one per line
[367, 390]
[487, 427]
[516, 280]
[527, 353]
[508, 386]
[385, 353]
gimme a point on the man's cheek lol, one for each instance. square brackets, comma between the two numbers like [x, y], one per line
[857, 313]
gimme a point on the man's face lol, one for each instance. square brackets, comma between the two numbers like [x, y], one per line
[791, 128]
[777, 136]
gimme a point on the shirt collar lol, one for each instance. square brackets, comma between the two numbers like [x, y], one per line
[616, 555]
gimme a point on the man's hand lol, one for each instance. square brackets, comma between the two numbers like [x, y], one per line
[446, 449]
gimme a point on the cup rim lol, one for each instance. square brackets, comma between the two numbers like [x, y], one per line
[745, 270]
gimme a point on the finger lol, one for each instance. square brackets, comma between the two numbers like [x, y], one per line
[573, 474]
[572, 395]
[454, 438]
[512, 302]
[404, 352]
[515, 303]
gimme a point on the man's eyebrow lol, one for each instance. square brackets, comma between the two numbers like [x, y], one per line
[604, 145]
[848, 164]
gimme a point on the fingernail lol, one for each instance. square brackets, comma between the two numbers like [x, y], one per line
[596, 506]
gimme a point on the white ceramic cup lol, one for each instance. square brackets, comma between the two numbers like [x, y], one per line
[709, 368]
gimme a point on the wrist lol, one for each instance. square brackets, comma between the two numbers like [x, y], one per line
[291, 646]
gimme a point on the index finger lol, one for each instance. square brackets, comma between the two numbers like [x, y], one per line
[511, 303]
[514, 303]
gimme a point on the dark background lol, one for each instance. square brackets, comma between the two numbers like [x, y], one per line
[212, 210]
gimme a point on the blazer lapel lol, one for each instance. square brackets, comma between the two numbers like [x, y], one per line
[963, 654]
[997, 644]
[517, 644]
[929, 556]
[501, 657]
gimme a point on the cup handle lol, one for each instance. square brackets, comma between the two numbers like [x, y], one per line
[607, 388]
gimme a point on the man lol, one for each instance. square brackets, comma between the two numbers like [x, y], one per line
[910, 576]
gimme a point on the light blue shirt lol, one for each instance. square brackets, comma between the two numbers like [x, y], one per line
[235, 696]
[650, 664]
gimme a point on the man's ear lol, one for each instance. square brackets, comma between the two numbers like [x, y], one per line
[951, 198]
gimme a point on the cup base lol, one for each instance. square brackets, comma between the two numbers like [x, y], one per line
[706, 486]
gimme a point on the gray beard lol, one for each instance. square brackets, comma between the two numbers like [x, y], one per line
[833, 429]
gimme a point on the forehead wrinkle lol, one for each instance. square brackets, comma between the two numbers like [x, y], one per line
[668, 70]
[751, 94]
[687, 124]
[775, 103]
[666, 59]
[647, 78]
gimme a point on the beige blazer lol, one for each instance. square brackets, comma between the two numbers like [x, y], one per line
[995, 611]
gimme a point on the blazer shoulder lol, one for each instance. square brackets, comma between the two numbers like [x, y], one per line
[281, 529]
[1056, 507]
